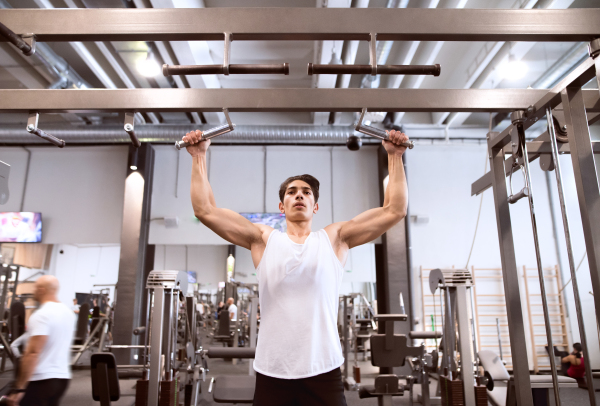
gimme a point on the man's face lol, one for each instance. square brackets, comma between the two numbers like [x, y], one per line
[298, 201]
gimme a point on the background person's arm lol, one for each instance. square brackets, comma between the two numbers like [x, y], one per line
[228, 224]
[30, 358]
[372, 223]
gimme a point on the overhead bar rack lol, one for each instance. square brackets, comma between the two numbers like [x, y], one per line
[306, 24]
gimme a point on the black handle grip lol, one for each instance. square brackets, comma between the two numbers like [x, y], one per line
[433, 70]
[15, 40]
[282, 69]
[139, 330]
[48, 137]
[134, 140]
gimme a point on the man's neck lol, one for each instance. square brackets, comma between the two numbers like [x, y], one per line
[48, 299]
[299, 228]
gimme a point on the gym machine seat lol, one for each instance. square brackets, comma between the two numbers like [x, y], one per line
[105, 381]
[224, 334]
[232, 388]
[503, 392]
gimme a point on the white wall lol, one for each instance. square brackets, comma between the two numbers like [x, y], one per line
[80, 267]
[78, 190]
[237, 176]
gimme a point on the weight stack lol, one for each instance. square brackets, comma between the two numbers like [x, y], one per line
[452, 392]
[481, 396]
[168, 392]
[141, 393]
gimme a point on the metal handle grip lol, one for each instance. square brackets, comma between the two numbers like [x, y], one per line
[381, 134]
[281, 69]
[134, 140]
[208, 134]
[16, 40]
[433, 70]
[512, 199]
[139, 330]
[48, 137]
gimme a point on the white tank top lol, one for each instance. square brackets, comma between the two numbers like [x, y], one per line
[299, 288]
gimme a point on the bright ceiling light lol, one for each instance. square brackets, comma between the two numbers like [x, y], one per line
[149, 67]
[513, 69]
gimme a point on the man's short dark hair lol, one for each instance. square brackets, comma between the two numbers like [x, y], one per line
[578, 347]
[311, 180]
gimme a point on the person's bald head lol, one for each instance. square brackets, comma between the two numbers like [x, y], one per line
[46, 288]
[230, 301]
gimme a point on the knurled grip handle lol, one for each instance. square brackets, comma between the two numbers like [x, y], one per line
[207, 135]
[48, 137]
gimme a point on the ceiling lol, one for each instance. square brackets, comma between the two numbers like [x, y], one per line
[114, 64]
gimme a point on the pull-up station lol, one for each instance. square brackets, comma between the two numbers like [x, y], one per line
[226, 68]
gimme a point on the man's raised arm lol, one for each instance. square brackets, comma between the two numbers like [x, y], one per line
[228, 224]
[372, 223]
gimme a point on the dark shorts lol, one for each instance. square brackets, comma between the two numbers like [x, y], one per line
[46, 392]
[321, 390]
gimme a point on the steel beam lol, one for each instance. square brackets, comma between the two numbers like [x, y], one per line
[586, 181]
[276, 100]
[309, 24]
[510, 277]
[535, 148]
[578, 77]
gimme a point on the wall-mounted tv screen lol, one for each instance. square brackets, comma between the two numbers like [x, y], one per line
[24, 226]
[275, 220]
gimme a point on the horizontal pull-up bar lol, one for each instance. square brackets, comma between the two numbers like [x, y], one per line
[305, 24]
[276, 100]
[281, 69]
[367, 69]
[213, 132]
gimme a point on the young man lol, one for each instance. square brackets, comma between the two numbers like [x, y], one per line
[45, 366]
[298, 354]
[232, 309]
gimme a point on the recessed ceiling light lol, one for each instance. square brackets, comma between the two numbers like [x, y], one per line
[513, 69]
[149, 67]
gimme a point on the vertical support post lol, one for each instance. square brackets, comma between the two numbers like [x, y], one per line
[137, 257]
[156, 344]
[464, 342]
[345, 325]
[253, 325]
[536, 368]
[586, 181]
[510, 278]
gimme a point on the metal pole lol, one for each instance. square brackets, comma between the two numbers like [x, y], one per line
[345, 325]
[156, 345]
[539, 265]
[586, 181]
[449, 334]
[466, 357]
[253, 326]
[565, 219]
[499, 338]
[510, 278]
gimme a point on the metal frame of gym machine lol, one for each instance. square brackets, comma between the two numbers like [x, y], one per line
[359, 24]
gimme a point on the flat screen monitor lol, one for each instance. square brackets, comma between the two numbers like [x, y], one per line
[275, 220]
[24, 226]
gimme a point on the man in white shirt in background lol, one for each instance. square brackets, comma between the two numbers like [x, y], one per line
[45, 366]
[232, 309]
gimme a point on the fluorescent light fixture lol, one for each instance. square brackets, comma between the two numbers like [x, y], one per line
[513, 69]
[149, 67]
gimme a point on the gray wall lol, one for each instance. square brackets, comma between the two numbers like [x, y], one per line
[79, 191]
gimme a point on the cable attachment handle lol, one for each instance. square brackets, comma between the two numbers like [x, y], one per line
[513, 198]
[213, 132]
[376, 132]
[32, 123]
[129, 128]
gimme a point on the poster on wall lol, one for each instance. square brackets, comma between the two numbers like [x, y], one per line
[24, 226]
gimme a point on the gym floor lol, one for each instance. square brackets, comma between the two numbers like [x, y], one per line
[79, 392]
